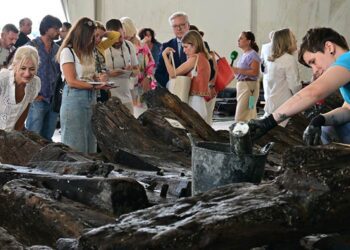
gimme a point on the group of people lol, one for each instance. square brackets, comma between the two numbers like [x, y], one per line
[322, 49]
[91, 52]
[327, 53]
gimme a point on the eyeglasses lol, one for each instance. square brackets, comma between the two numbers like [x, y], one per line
[179, 26]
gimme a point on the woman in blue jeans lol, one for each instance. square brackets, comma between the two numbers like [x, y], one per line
[78, 68]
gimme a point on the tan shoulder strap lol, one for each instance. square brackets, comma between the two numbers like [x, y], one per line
[172, 61]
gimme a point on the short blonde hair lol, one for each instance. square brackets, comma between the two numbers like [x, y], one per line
[25, 53]
[129, 27]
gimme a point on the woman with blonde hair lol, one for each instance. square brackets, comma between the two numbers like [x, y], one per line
[282, 77]
[76, 57]
[193, 47]
[144, 57]
[19, 86]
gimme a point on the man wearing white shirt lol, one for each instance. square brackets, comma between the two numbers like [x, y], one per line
[9, 36]
[121, 57]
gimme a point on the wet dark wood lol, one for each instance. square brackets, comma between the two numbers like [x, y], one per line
[113, 196]
[333, 241]
[179, 183]
[18, 148]
[291, 135]
[124, 140]
[59, 152]
[284, 138]
[309, 196]
[8, 241]
[305, 199]
[38, 218]
[190, 119]
[88, 168]
[154, 120]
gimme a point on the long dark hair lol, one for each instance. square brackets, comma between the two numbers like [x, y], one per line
[250, 36]
[143, 32]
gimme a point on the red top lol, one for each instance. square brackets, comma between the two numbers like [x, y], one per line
[199, 84]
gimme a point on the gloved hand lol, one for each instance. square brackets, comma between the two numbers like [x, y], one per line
[312, 134]
[259, 127]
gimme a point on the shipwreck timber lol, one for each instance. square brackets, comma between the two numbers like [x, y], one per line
[67, 200]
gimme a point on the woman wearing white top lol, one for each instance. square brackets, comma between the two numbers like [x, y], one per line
[19, 86]
[282, 75]
[78, 69]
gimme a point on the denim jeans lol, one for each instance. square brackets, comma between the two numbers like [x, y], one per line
[336, 134]
[75, 117]
[41, 119]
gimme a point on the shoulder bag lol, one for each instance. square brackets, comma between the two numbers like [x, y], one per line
[180, 85]
[224, 75]
[59, 85]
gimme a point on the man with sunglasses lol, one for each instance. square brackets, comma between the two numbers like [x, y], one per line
[180, 25]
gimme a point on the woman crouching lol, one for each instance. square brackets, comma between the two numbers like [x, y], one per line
[19, 86]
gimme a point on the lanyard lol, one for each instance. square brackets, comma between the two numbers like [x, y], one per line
[122, 55]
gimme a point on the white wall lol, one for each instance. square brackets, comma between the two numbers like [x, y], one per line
[74, 9]
[299, 16]
[223, 20]
[219, 28]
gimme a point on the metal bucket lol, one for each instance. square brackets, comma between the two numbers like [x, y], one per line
[214, 165]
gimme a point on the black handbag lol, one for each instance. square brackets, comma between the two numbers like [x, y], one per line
[57, 97]
[59, 85]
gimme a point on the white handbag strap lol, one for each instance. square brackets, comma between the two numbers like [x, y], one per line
[195, 65]
[172, 61]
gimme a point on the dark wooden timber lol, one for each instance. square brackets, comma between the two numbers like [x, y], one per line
[304, 200]
[124, 140]
[116, 195]
[192, 121]
[18, 148]
[34, 216]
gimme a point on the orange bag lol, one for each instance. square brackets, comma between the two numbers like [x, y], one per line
[225, 74]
